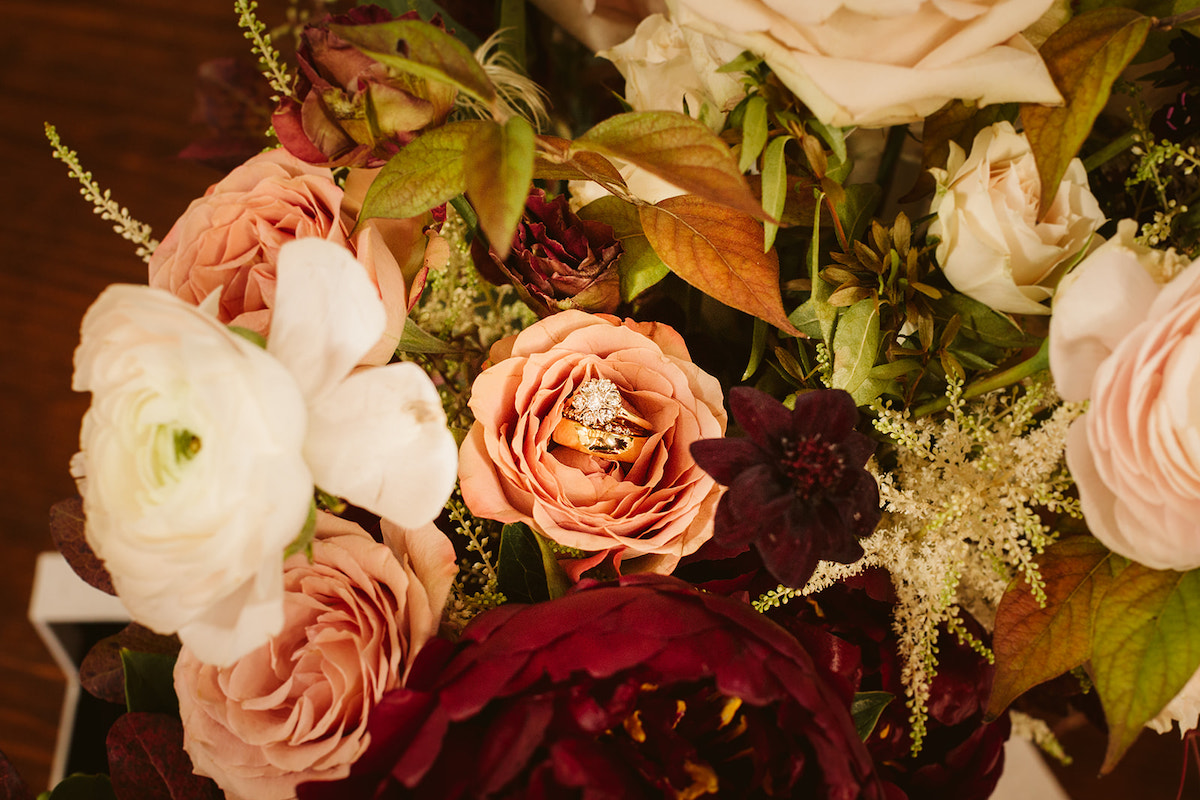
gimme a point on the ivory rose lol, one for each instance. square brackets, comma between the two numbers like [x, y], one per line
[297, 708]
[661, 506]
[1131, 345]
[668, 68]
[885, 62]
[200, 450]
[229, 239]
[993, 246]
[600, 23]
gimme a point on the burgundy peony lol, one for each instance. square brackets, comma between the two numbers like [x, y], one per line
[350, 110]
[557, 260]
[847, 629]
[643, 689]
[798, 490]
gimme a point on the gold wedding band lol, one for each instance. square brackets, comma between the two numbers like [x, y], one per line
[597, 421]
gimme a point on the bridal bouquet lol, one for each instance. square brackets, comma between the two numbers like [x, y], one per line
[618, 399]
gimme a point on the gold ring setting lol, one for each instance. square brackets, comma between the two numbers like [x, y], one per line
[597, 421]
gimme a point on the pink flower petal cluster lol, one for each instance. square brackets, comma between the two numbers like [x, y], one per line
[229, 240]
[661, 506]
[297, 708]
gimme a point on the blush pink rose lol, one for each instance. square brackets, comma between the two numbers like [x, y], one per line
[297, 708]
[1130, 344]
[661, 506]
[229, 239]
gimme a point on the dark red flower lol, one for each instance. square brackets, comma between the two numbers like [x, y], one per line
[557, 260]
[349, 109]
[847, 629]
[798, 490]
[643, 689]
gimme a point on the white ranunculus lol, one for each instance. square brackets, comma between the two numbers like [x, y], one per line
[885, 62]
[668, 68]
[993, 246]
[199, 452]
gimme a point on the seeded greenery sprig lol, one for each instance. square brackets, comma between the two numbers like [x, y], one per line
[101, 200]
[269, 60]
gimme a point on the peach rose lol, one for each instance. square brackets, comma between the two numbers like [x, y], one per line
[1131, 345]
[229, 239]
[660, 506]
[297, 708]
[876, 63]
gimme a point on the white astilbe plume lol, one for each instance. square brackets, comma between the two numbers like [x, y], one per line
[960, 518]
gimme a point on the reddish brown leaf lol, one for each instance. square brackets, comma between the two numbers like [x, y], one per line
[101, 672]
[1084, 56]
[1034, 644]
[147, 761]
[66, 529]
[719, 251]
[678, 149]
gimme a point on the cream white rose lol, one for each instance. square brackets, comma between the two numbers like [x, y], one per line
[668, 68]
[1131, 346]
[885, 62]
[993, 247]
[200, 450]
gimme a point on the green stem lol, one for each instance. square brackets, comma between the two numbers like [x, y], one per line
[1109, 151]
[1166, 23]
[1036, 363]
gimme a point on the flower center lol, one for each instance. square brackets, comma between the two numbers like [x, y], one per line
[812, 464]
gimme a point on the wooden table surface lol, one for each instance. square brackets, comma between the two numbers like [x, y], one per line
[117, 78]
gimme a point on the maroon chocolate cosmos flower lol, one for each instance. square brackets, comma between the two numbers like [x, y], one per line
[643, 689]
[350, 110]
[557, 260]
[798, 490]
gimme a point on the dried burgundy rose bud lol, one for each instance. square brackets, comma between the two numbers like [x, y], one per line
[350, 110]
[644, 689]
[557, 260]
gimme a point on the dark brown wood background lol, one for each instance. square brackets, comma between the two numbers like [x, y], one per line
[117, 78]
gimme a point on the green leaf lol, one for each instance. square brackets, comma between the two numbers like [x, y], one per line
[866, 709]
[774, 186]
[254, 337]
[558, 582]
[806, 320]
[719, 251]
[1145, 647]
[857, 208]
[1151, 8]
[855, 349]
[149, 682]
[678, 149]
[639, 266]
[520, 570]
[758, 348]
[428, 9]
[754, 131]
[425, 174]
[1084, 56]
[416, 340]
[981, 323]
[82, 787]
[1034, 643]
[499, 169]
[423, 50]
